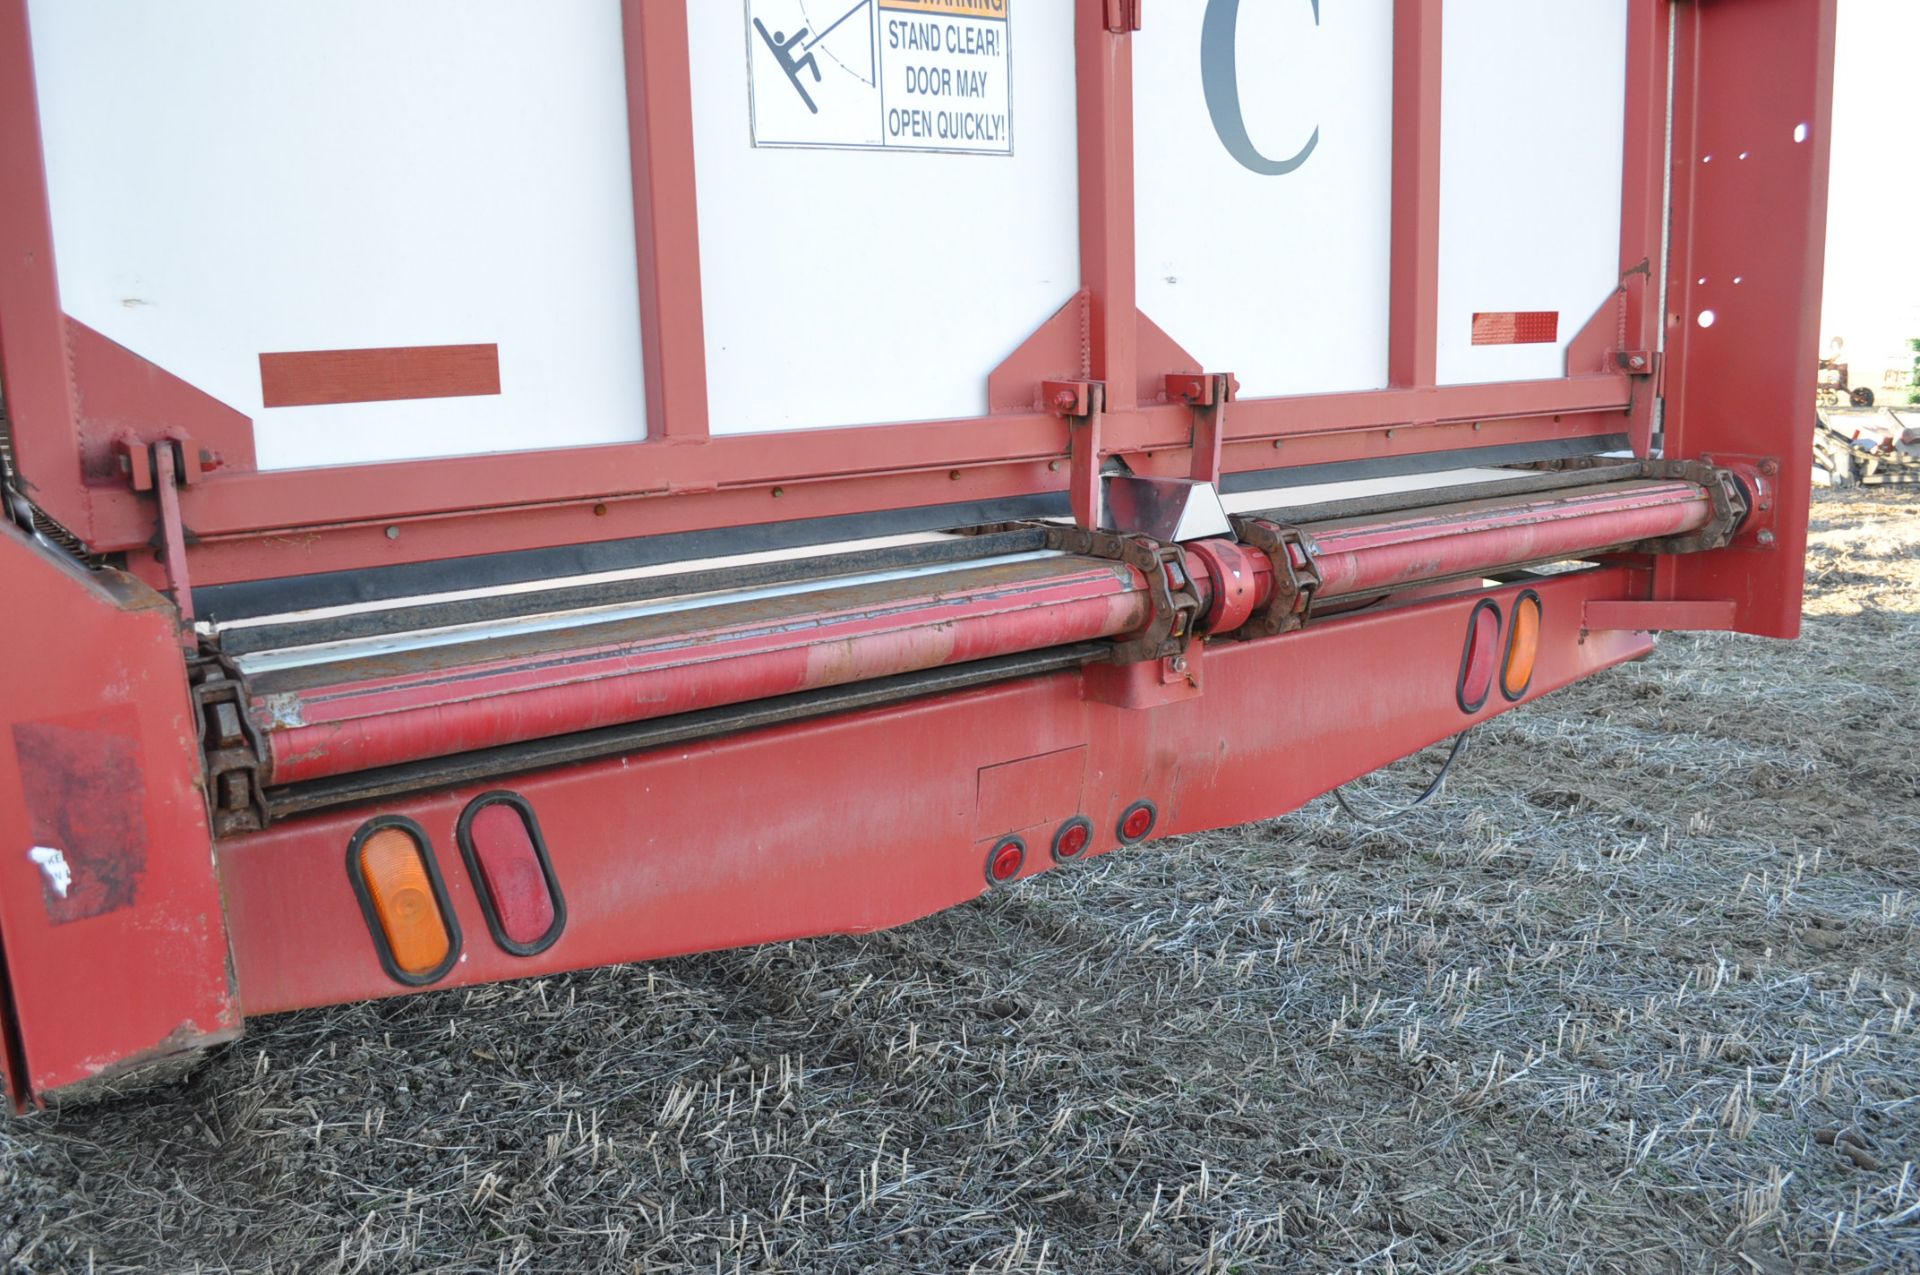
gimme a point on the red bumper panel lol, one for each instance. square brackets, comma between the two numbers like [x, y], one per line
[873, 819]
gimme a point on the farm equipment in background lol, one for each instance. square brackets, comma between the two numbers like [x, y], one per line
[1833, 388]
[1867, 449]
[525, 487]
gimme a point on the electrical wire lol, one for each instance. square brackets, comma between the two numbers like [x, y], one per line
[1393, 814]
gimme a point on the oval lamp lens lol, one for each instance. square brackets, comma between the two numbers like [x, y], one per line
[1523, 647]
[1481, 659]
[395, 870]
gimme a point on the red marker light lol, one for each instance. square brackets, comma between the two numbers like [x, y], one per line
[1481, 658]
[1004, 862]
[512, 874]
[1072, 840]
[1137, 821]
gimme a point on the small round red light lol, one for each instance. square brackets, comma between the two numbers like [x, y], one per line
[1006, 860]
[1072, 841]
[1137, 821]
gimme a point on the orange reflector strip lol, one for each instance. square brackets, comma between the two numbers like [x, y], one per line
[1523, 646]
[306, 378]
[1516, 327]
[394, 867]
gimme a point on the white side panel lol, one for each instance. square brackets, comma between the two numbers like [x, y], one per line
[1532, 143]
[1279, 277]
[231, 177]
[848, 287]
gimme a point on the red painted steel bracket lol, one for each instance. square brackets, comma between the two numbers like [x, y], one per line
[1083, 403]
[1148, 683]
[163, 466]
[111, 916]
[1208, 394]
[167, 480]
[1202, 389]
[1123, 16]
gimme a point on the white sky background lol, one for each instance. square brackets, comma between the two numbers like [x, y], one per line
[1873, 204]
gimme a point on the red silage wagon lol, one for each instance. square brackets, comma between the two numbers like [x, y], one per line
[496, 488]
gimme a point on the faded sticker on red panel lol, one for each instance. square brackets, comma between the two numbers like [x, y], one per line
[85, 810]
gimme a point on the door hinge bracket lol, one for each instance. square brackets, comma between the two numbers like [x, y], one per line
[163, 466]
[1083, 404]
[1208, 394]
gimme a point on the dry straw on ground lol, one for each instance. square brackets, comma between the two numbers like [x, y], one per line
[1640, 994]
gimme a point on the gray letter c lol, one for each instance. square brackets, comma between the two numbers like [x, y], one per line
[1220, 79]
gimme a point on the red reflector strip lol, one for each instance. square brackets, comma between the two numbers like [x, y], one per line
[1516, 327]
[305, 378]
[510, 868]
[1481, 659]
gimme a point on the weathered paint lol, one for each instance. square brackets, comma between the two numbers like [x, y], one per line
[110, 913]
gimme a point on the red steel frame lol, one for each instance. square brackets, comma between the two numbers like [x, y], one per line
[887, 814]
[680, 479]
[1749, 220]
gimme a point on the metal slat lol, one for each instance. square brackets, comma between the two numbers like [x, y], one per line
[1406, 501]
[253, 639]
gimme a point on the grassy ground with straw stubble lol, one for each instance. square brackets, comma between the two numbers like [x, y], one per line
[1639, 994]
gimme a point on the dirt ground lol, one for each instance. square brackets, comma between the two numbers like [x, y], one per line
[1638, 994]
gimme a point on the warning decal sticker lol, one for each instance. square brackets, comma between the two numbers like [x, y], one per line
[924, 75]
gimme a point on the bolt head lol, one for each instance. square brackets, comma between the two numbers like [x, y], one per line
[1765, 537]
